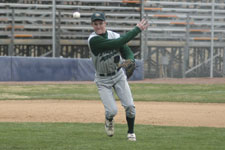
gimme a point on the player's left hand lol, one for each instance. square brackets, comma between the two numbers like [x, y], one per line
[129, 67]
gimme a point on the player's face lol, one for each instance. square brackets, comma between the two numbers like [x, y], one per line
[99, 26]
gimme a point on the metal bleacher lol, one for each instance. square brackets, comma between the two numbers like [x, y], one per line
[29, 22]
[168, 19]
[35, 20]
[173, 24]
[172, 18]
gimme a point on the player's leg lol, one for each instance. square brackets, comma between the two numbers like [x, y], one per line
[108, 100]
[124, 93]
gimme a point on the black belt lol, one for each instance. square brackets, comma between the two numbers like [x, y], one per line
[109, 74]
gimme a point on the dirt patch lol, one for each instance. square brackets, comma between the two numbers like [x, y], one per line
[154, 113]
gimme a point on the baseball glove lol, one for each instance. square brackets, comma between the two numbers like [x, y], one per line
[129, 67]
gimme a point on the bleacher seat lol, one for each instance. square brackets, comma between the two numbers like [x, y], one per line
[168, 19]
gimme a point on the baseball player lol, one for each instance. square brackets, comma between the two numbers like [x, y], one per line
[108, 50]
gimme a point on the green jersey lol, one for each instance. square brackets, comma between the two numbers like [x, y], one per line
[107, 50]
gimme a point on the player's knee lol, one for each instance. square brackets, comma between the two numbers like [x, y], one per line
[111, 113]
[130, 111]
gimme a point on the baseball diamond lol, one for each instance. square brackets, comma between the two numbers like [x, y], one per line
[112, 74]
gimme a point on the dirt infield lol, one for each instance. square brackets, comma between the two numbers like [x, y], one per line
[154, 113]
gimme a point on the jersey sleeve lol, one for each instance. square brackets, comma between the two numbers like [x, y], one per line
[99, 44]
[126, 52]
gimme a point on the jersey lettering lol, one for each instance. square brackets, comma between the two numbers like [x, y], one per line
[108, 56]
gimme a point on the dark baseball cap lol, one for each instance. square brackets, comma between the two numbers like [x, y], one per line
[98, 16]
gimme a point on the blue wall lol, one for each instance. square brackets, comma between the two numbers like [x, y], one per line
[52, 69]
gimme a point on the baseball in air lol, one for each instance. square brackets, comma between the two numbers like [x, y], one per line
[76, 15]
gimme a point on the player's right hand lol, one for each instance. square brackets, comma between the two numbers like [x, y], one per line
[143, 24]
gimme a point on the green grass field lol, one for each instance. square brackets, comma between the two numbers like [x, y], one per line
[77, 136]
[141, 92]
